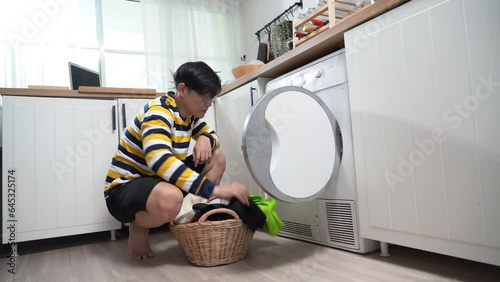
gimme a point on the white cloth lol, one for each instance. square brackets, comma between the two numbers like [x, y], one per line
[188, 202]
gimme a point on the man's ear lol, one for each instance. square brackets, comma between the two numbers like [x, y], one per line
[181, 89]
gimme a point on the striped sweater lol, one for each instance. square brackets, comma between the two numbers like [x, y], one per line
[156, 144]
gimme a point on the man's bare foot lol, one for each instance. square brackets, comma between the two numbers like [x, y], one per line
[138, 242]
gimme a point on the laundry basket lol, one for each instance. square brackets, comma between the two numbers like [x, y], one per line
[211, 243]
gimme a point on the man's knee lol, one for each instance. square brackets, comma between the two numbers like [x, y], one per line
[168, 200]
[219, 158]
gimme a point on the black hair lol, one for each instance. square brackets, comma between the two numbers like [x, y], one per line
[199, 77]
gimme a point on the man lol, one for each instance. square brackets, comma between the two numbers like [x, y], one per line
[150, 173]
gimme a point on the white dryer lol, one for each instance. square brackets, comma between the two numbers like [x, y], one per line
[297, 144]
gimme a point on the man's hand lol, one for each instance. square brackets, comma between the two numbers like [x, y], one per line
[232, 190]
[202, 151]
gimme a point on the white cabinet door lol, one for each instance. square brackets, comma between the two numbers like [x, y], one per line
[60, 150]
[128, 109]
[423, 81]
[230, 112]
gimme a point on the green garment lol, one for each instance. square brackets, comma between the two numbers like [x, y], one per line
[273, 223]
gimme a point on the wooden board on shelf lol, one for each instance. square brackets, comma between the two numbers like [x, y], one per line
[320, 11]
[329, 9]
[297, 23]
[34, 92]
[299, 41]
[116, 90]
[48, 87]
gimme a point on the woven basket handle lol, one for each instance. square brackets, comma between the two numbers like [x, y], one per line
[203, 218]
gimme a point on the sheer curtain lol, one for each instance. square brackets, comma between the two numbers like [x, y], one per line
[178, 31]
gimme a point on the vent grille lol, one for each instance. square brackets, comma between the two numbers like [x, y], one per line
[300, 229]
[340, 223]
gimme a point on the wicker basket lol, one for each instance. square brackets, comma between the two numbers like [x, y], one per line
[211, 243]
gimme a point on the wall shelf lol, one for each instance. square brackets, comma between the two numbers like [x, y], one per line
[335, 16]
[324, 43]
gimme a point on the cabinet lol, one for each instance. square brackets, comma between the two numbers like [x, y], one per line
[423, 82]
[128, 109]
[57, 151]
[230, 114]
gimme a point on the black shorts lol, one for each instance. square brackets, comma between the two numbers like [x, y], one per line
[126, 200]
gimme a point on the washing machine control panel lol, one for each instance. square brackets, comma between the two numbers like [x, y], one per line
[315, 76]
[307, 77]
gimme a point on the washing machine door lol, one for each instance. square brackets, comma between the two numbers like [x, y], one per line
[291, 144]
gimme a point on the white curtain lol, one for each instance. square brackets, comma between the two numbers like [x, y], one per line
[178, 31]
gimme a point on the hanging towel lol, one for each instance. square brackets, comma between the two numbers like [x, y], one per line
[262, 53]
[273, 223]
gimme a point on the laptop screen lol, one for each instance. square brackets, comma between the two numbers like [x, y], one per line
[80, 76]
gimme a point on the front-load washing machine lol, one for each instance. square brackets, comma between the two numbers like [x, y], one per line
[297, 144]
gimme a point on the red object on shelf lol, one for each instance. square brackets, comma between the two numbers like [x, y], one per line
[300, 34]
[319, 22]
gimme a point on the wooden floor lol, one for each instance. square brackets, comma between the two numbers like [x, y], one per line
[94, 258]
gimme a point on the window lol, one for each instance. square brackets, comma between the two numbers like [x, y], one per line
[123, 41]
[214, 51]
[50, 22]
[38, 38]
[177, 31]
[122, 25]
[125, 70]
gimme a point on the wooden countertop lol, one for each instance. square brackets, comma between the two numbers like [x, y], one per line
[84, 92]
[323, 44]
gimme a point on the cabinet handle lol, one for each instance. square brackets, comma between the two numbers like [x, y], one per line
[124, 117]
[252, 89]
[113, 117]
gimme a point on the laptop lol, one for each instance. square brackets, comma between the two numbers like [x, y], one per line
[80, 76]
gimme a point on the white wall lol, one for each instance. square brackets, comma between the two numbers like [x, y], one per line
[257, 13]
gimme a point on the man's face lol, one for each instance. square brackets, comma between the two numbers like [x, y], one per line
[198, 104]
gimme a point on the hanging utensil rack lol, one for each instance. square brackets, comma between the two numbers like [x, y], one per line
[284, 13]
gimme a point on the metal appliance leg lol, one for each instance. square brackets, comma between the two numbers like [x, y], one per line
[384, 250]
[113, 235]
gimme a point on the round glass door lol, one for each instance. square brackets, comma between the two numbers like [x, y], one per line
[290, 146]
